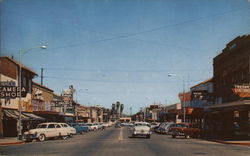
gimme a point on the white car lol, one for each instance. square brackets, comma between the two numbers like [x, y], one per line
[70, 130]
[93, 127]
[140, 129]
[46, 130]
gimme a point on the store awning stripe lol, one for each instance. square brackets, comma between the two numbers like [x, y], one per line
[15, 114]
[33, 116]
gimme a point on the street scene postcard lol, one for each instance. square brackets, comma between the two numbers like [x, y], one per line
[124, 77]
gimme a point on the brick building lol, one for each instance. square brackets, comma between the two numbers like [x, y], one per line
[231, 112]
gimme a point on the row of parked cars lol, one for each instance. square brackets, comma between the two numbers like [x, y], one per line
[187, 130]
[44, 131]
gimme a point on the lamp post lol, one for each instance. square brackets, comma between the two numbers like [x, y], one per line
[183, 92]
[22, 52]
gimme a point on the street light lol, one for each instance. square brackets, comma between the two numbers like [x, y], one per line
[22, 52]
[183, 92]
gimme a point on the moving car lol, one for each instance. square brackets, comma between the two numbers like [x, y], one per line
[47, 130]
[186, 129]
[141, 129]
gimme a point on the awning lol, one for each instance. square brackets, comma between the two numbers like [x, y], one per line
[33, 116]
[11, 113]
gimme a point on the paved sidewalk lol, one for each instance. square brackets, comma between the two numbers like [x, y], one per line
[10, 141]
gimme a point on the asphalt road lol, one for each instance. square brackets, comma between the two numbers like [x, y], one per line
[115, 142]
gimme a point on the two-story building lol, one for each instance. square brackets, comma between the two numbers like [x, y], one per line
[10, 93]
[231, 112]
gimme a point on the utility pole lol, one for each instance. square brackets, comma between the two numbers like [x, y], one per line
[42, 76]
[130, 111]
[1, 115]
[184, 102]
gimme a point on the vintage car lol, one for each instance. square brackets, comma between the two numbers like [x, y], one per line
[46, 130]
[80, 128]
[92, 126]
[140, 129]
[70, 130]
[165, 128]
[186, 129]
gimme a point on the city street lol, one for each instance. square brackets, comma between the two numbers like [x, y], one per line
[115, 141]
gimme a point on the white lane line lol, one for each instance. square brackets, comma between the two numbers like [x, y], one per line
[121, 135]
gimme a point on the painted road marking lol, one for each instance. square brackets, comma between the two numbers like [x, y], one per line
[121, 135]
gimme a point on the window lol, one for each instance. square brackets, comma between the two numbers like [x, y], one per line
[64, 125]
[42, 126]
[58, 126]
[51, 126]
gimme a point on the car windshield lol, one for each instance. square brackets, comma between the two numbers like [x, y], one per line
[142, 124]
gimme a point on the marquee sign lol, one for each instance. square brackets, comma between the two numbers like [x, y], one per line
[242, 90]
[9, 90]
[199, 95]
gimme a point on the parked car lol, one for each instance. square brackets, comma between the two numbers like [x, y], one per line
[70, 130]
[140, 129]
[85, 127]
[93, 127]
[46, 130]
[165, 128]
[186, 129]
[154, 124]
[80, 128]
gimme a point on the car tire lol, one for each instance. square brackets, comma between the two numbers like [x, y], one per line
[173, 136]
[187, 136]
[70, 135]
[148, 137]
[64, 137]
[42, 137]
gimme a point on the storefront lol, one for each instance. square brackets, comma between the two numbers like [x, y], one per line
[229, 120]
[11, 119]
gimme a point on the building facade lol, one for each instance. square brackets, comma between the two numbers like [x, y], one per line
[10, 102]
[231, 112]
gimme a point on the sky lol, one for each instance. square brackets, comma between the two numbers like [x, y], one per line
[121, 50]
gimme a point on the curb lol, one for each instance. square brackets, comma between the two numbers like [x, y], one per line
[12, 143]
[234, 143]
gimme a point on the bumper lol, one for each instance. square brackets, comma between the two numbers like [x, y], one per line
[178, 133]
[141, 133]
[30, 136]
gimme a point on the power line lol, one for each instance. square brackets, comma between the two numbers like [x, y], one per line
[112, 81]
[141, 32]
[123, 70]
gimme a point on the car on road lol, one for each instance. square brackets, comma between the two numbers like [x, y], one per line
[93, 126]
[187, 130]
[70, 130]
[140, 129]
[154, 124]
[86, 128]
[118, 125]
[165, 128]
[47, 130]
[80, 128]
